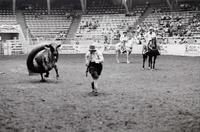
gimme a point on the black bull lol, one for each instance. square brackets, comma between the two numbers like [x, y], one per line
[42, 59]
[152, 51]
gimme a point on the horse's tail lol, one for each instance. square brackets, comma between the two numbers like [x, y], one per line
[29, 62]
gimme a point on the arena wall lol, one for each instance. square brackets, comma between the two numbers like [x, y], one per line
[181, 50]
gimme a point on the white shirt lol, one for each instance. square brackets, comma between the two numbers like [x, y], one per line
[123, 38]
[149, 36]
[96, 57]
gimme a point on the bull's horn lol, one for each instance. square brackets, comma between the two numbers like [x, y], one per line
[58, 46]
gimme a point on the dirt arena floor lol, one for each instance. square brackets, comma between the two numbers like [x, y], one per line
[130, 99]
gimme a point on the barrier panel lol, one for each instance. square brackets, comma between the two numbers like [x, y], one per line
[182, 50]
[13, 47]
[168, 46]
[9, 28]
[192, 50]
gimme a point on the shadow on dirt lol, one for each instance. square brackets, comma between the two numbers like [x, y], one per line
[93, 94]
[43, 82]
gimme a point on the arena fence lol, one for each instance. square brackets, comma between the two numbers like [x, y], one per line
[168, 46]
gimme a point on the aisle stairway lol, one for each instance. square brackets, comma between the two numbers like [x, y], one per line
[142, 18]
[73, 27]
[21, 21]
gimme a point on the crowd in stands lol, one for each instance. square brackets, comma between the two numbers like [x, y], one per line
[160, 8]
[173, 24]
[194, 24]
[106, 22]
[89, 25]
[105, 28]
[189, 6]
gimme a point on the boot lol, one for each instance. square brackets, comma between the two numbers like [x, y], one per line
[94, 90]
[92, 85]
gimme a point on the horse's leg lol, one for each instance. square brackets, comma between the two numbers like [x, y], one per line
[56, 70]
[150, 61]
[117, 56]
[127, 57]
[154, 61]
[144, 59]
[47, 74]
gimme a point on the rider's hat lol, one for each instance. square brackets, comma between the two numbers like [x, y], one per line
[92, 47]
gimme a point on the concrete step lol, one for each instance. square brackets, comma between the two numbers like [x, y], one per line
[21, 22]
[145, 15]
[73, 27]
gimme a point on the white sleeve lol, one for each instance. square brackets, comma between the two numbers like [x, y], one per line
[154, 35]
[87, 57]
[100, 57]
[121, 38]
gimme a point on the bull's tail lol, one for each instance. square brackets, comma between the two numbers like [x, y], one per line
[29, 62]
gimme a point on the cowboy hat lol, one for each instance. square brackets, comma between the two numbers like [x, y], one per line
[92, 47]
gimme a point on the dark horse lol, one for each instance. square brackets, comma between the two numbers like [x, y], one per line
[151, 51]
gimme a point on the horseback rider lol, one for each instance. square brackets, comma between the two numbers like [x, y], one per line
[123, 39]
[150, 35]
[151, 41]
[150, 49]
[94, 62]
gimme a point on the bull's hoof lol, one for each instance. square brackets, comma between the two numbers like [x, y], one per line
[123, 52]
[43, 80]
[95, 93]
[47, 75]
[57, 77]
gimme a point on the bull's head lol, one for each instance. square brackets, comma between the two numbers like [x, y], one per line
[54, 50]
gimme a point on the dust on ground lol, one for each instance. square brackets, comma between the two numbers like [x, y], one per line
[130, 99]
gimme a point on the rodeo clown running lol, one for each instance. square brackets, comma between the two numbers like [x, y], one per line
[94, 62]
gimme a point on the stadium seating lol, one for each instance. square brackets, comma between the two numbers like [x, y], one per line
[46, 25]
[138, 10]
[7, 17]
[178, 21]
[101, 22]
[103, 7]
[160, 8]
[194, 24]
[99, 26]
